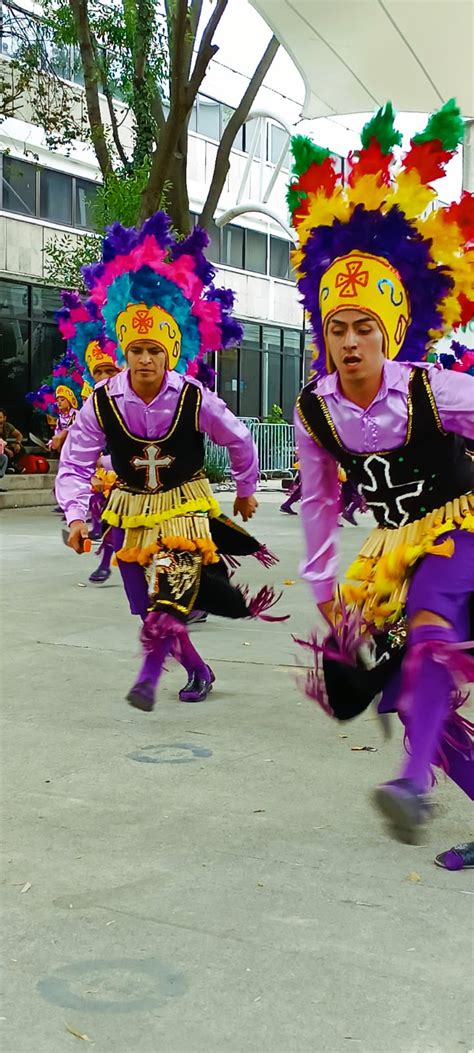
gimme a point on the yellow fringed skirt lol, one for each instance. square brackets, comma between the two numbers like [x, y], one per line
[176, 519]
[383, 567]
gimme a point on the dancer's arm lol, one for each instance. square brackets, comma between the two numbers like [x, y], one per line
[454, 397]
[84, 442]
[223, 428]
[319, 516]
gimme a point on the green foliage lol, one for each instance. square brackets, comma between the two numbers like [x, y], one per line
[306, 153]
[275, 416]
[214, 468]
[446, 125]
[381, 127]
[65, 256]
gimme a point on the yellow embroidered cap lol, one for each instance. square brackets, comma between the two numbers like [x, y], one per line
[95, 356]
[63, 392]
[370, 284]
[138, 321]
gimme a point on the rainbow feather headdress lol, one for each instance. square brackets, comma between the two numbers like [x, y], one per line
[375, 245]
[82, 327]
[65, 380]
[150, 286]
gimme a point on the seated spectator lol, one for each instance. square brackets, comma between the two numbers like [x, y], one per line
[12, 439]
[3, 462]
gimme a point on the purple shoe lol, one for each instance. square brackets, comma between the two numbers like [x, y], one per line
[289, 511]
[197, 688]
[405, 808]
[142, 696]
[460, 857]
[100, 575]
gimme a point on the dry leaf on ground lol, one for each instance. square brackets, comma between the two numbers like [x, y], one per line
[26, 887]
[414, 876]
[77, 1034]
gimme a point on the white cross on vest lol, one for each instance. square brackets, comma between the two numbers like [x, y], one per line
[152, 460]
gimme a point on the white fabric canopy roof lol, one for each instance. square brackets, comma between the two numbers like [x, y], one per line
[354, 55]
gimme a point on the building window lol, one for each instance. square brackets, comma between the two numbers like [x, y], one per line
[86, 196]
[19, 186]
[279, 258]
[56, 196]
[233, 246]
[249, 132]
[255, 251]
[226, 114]
[291, 375]
[29, 343]
[208, 118]
[272, 368]
[228, 377]
[250, 372]
[214, 248]
[277, 140]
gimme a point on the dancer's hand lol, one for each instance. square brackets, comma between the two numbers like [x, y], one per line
[246, 506]
[78, 534]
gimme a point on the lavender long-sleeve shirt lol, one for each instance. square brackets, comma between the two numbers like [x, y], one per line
[86, 439]
[382, 426]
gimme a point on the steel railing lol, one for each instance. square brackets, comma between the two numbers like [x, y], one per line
[275, 445]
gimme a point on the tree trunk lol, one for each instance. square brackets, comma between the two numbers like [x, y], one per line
[177, 199]
[222, 162]
[91, 78]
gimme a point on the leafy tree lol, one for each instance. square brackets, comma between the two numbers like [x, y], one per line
[152, 57]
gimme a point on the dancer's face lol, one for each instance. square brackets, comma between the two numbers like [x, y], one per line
[103, 372]
[147, 363]
[62, 404]
[355, 343]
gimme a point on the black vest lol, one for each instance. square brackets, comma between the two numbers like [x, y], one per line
[404, 484]
[158, 464]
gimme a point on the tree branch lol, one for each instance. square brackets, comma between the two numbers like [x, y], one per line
[113, 116]
[89, 66]
[222, 162]
[206, 52]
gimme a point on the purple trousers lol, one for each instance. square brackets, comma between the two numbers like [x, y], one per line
[444, 586]
[133, 577]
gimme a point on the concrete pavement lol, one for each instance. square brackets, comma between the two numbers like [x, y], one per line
[206, 879]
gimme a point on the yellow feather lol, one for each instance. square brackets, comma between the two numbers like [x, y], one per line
[368, 192]
[411, 196]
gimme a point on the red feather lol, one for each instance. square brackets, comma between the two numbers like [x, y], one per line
[428, 158]
[370, 162]
[462, 213]
[318, 177]
[467, 310]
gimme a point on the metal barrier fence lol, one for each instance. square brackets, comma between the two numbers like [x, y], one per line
[275, 444]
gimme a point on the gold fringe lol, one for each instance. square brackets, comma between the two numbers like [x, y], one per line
[387, 557]
[129, 511]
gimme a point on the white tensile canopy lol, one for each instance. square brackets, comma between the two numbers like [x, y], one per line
[353, 55]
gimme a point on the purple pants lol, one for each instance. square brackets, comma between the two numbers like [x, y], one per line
[133, 577]
[444, 586]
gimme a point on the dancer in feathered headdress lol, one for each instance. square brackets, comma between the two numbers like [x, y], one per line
[158, 302]
[59, 397]
[381, 276]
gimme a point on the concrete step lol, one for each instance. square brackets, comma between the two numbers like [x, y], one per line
[27, 482]
[27, 499]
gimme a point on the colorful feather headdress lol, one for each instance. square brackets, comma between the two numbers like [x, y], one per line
[150, 286]
[375, 245]
[65, 380]
[82, 327]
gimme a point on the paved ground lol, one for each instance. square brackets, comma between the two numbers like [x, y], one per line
[206, 879]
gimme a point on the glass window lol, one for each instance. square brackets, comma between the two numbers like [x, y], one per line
[208, 118]
[272, 348]
[233, 246]
[279, 258]
[45, 301]
[291, 371]
[19, 186]
[255, 251]
[14, 370]
[214, 247]
[47, 344]
[192, 126]
[249, 131]
[56, 196]
[226, 114]
[228, 376]
[250, 367]
[13, 299]
[277, 139]
[86, 195]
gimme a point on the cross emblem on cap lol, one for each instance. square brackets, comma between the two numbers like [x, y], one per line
[152, 461]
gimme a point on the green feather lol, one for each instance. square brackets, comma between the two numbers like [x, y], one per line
[293, 198]
[446, 125]
[305, 154]
[381, 127]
